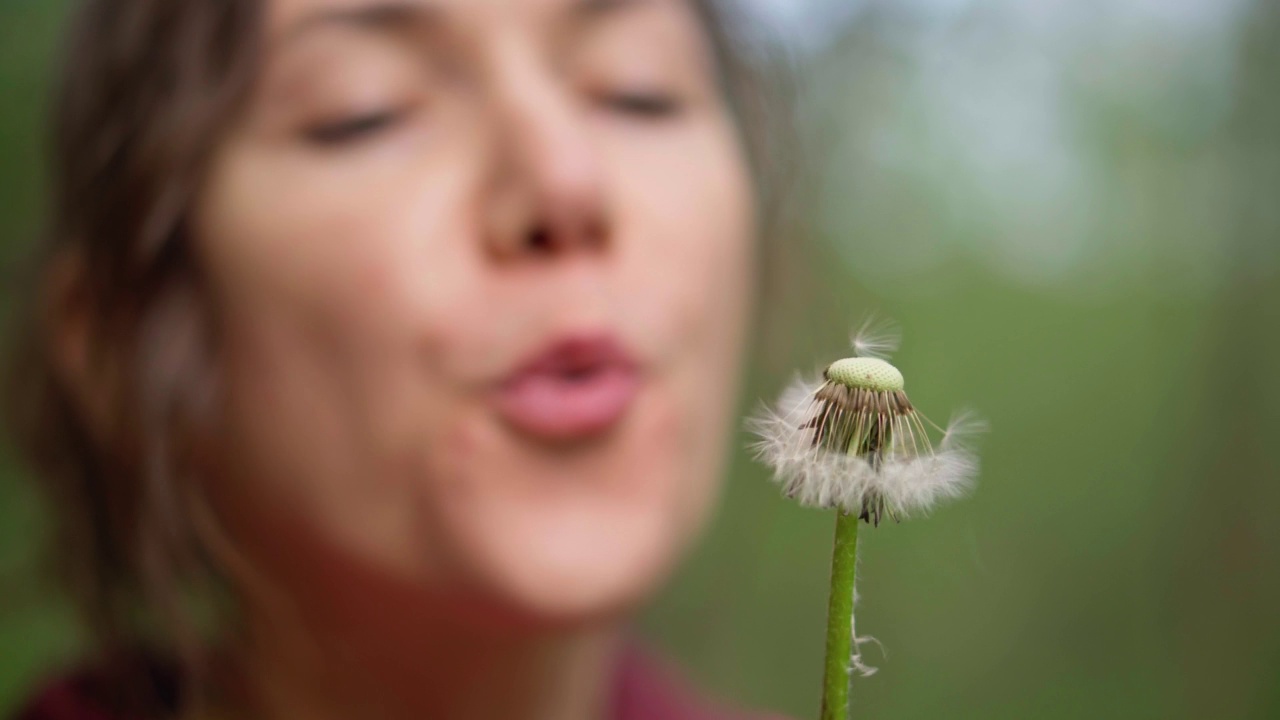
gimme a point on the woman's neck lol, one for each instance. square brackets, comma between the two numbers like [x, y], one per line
[399, 670]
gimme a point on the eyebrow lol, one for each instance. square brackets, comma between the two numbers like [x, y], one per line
[394, 14]
[591, 8]
[391, 15]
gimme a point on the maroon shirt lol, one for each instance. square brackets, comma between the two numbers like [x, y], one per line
[643, 690]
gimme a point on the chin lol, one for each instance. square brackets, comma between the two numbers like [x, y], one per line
[585, 569]
[573, 538]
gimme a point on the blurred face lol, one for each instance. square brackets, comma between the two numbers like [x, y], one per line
[481, 274]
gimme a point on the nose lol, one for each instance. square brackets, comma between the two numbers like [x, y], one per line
[547, 185]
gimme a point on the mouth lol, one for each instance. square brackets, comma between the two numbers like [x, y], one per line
[577, 387]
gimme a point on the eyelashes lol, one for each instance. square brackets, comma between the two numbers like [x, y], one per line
[352, 128]
[647, 105]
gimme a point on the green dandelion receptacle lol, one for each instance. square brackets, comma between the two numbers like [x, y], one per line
[866, 373]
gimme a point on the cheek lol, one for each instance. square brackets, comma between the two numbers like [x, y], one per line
[688, 227]
[349, 246]
[693, 262]
[329, 341]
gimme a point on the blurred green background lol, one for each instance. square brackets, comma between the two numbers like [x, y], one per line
[1073, 209]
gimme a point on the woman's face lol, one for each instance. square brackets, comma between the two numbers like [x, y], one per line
[481, 272]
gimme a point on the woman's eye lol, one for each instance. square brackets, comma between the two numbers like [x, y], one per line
[351, 129]
[653, 105]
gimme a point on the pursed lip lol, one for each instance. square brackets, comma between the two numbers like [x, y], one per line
[575, 387]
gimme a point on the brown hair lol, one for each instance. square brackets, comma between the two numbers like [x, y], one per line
[146, 90]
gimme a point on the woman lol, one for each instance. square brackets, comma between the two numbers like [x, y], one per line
[385, 350]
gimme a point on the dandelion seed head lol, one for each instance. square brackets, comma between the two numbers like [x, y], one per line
[853, 440]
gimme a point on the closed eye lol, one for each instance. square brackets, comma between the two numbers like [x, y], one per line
[652, 105]
[353, 128]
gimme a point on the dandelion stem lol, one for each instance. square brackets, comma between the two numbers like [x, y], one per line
[837, 672]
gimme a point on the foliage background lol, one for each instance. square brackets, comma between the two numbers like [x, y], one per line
[1074, 210]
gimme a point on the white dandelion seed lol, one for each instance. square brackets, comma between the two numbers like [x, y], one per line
[877, 338]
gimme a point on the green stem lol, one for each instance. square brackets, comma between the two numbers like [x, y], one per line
[837, 671]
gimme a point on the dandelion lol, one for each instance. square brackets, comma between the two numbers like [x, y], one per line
[853, 442]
